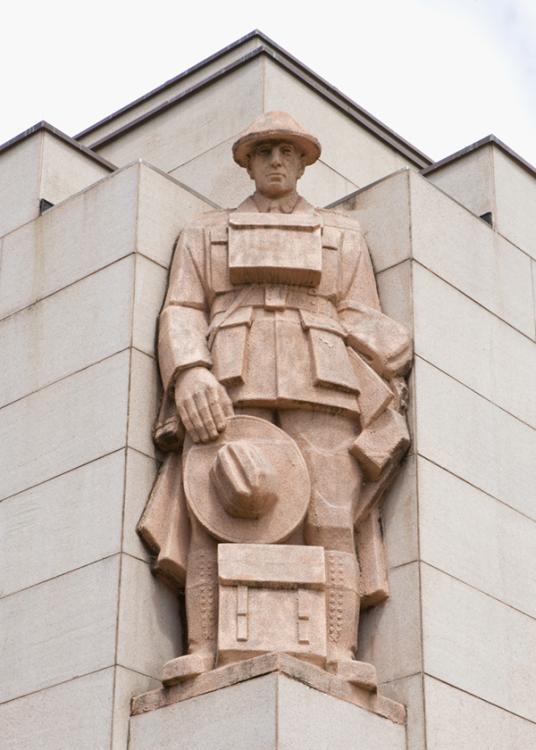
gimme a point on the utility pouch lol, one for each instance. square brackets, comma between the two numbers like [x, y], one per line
[331, 365]
[229, 345]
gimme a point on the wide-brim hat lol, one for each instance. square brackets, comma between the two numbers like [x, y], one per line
[294, 487]
[276, 126]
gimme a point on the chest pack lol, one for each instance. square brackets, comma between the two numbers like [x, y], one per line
[275, 248]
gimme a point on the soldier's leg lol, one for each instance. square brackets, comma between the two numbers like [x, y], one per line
[202, 582]
[324, 440]
[201, 608]
[202, 592]
[202, 597]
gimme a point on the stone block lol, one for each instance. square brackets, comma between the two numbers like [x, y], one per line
[466, 252]
[469, 180]
[321, 185]
[308, 718]
[297, 669]
[63, 524]
[474, 346]
[41, 166]
[75, 714]
[165, 206]
[195, 124]
[405, 216]
[395, 288]
[140, 475]
[128, 684]
[515, 198]
[70, 241]
[287, 702]
[65, 170]
[149, 629]
[455, 719]
[534, 293]
[353, 152]
[400, 517]
[477, 441]
[149, 292]
[144, 397]
[389, 634]
[216, 720]
[383, 210]
[410, 692]
[68, 331]
[478, 644]
[58, 630]
[65, 425]
[491, 180]
[137, 209]
[20, 179]
[459, 534]
[215, 175]
[271, 598]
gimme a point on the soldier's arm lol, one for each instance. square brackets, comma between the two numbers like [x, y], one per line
[383, 342]
[184, 317]
[185, 361]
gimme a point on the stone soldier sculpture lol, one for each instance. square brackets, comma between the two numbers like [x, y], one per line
[272, 311]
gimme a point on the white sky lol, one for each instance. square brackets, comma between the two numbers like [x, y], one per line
[441, 73]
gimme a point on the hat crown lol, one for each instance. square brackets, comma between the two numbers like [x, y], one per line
[275, 121]
[244, 479]
[276, 126]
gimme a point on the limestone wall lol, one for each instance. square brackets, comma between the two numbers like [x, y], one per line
[455, 639]
[84, 623]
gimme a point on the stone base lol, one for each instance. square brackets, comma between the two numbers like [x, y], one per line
[186, 667]
[270, 702]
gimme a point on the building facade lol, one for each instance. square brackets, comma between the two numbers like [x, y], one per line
[87, 228]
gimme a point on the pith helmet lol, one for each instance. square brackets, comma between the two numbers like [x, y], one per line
[251, 485]
[275, 126]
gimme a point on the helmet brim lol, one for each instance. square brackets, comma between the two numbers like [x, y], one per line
[308, 145]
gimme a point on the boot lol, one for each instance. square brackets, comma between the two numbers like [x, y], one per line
[342, 620]
[202, 616]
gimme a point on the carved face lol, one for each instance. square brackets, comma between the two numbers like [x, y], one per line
[276, 167]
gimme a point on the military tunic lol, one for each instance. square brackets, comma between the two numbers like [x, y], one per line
[279, 345]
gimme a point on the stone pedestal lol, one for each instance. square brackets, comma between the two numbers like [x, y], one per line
[272, 702]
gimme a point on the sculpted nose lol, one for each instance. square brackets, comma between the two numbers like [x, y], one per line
[276, 158]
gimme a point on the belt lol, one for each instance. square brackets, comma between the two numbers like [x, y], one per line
[296, 299]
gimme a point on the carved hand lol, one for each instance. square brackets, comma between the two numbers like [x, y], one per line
[202, 403]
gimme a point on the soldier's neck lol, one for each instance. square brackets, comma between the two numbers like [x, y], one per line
[286, 204]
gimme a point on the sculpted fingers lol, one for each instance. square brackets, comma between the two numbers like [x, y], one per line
[187, 422]
[198, 432]
[226, 403]
[202, 403]
[204, 410]
[216, 408]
